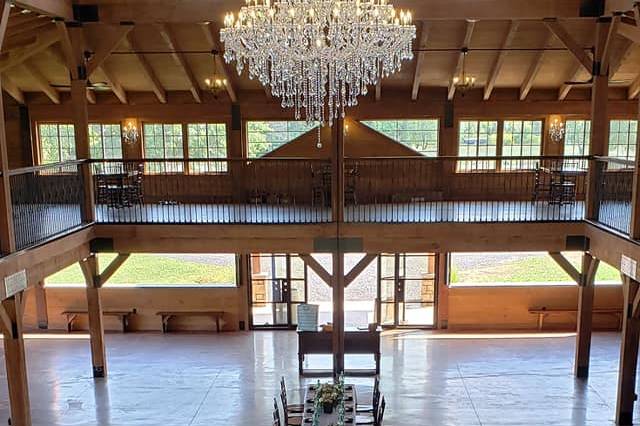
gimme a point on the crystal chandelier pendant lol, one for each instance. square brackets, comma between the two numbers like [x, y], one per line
[318, 56]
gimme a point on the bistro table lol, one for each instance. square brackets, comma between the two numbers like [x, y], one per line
[350, 404]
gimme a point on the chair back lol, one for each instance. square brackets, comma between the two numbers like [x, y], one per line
[283, 389]
[376, 395]
[380, 415]
[276, 413]
[283, 401]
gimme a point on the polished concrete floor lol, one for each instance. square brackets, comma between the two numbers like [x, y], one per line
[230, 379]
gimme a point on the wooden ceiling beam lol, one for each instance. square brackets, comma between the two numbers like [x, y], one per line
[530, 79]
[54, 8]
[634, 89]
[110, 39]
[148, 71]
[458, 69]
[497, 66]
[572, 46]
[605, 60]
[37, 25]
[423, 38]
[12, 89]
[564, 90]
[18, 56]
[5, 13]
[197, 11]
[212, 34]
[625, 51]
[41, 81]
[67, 46]
[629, 31]
[170, 39]
[57, 54]
[115, 86]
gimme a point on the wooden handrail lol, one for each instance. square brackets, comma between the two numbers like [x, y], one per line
[32, 169]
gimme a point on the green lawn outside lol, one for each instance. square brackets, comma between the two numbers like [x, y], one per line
[154, 269]
[527, 269]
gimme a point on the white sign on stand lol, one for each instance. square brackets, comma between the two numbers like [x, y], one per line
[628, 266]
[15, 283]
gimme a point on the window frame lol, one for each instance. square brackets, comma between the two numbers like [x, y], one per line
[40, 150]
[193, 160]
[247, 144]
[106, 123]
[498, 146]
[629, 143]
[183, 165]
[503, 162]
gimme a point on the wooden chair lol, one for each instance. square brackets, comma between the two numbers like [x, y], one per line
[370, 408]
[276, 413]
[383, 405]
[375, 417]
[290, 418]
[291, 409]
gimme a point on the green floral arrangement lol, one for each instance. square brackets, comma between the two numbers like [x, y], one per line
[330, 394]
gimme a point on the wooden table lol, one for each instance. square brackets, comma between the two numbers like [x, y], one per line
[330, 419]
[355, 342]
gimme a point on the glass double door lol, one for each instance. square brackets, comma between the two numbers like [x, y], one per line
[407, 290]
[278, 285]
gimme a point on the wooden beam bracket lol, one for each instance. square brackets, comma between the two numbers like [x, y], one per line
[574, 48]
[316, 267]
[566, 266]
[359, 268]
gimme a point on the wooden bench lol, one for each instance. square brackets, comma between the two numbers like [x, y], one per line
[124, 316]
[543, 312]
[166, 317]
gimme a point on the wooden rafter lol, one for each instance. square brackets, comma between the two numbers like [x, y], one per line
[12, 89]
[29, 28]
[212, 34]
[608, 47]
[56, 52]
[497, 66]
[572, 46]
[577, 72]
[148, 72]
[54, 8]
[170, 39]
[316, 267]
[634, 88]
[629, 31]
[420, 58]
[42, 82]
[67, 47]
[110, 38]
[4, 22]
[18, 56]
[530, 79]
[114, 84]
[625, 51]
[458, 69]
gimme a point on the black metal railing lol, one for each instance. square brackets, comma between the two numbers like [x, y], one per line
[269, 191]
[453, 189]
[46, 200]
[614, 191]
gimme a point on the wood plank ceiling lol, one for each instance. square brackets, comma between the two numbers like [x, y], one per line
[161, 58]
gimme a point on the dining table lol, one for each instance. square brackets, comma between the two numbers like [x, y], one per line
[329, 419]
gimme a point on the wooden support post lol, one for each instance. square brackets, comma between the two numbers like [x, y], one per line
[245, 283]
[599, 117]
[585, 315]
[442, 283]
[94, 307]
[628, 355]
[338, 312]
[41, 305]
[14, 353]
[635, 194]
[81, 131]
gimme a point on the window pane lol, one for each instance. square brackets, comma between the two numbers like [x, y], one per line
[57, 142]
[266, 136]
[521, 138]
[623, 139]
[207, 140]
[419, 135]
[477, 139]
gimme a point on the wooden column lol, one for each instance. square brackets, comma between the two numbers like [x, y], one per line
[41, 305]
[245, 283]
[80, 111]
[628, 355]
[7, 237]
[14, 353]
[635, 195]
[337, 211]
[585, 315]
[599, 116]
[442, 283]
[94, 305]
[236, 150]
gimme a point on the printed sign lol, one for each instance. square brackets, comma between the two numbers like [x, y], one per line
[628, 266]
[15, 283]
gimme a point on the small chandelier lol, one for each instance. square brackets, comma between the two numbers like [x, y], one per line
[130, 132]
[216, 83]
[464, 82]
[556, 130]
[318, 56]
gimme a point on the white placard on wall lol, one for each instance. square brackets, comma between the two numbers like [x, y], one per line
[15, 283]
[628, 266]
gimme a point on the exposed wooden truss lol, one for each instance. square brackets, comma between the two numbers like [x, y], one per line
[420, 58]
[566, 266]
[148, 71]
[18, 56]
[115, 86]
[110, 38]
[42, 82]
[171, 41]
[530, 79]
[458, 69]
[629, 31]
[495, 71]
[359, 268]
[316, 267]
[14, 91]
[54, 8]
[569, 42]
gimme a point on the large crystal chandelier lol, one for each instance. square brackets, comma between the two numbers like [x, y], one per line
[318, 55]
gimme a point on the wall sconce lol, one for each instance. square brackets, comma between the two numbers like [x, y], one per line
[130, 132]
[556, 130]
